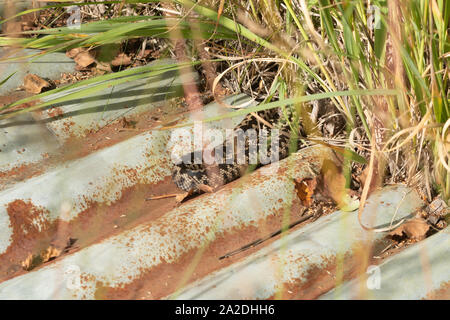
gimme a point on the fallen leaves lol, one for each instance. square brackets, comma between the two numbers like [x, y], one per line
[34, 84]
[72, 53]
[334, 186]
[50, 253]
[426, 222]
[305, 190]
[32, 261]
[85, 58]
[121, 60]
[437, 212]
[414, 229]
[329, 185]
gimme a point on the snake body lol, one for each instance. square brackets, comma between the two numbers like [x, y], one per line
[189, 176]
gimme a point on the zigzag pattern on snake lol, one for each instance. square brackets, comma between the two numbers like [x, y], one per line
[188, 176]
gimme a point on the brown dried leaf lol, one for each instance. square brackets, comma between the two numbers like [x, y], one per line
[333, 181]
[103, 66]
[84, 59]
[121, 60]
[72, 53]
[27, 263]
[34, 84]
[181, 196]
[49, 253]
[305, 190]
[33, 261]
[145, 53]
[413, 229]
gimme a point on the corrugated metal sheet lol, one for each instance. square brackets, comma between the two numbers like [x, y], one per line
[49, 66]
[133, 258]
[303, 263]
[122, 246]
[418, 272]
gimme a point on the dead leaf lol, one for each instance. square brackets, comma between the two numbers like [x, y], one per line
[305, 190]
[146, 53]
[33, 261]
[84, 59]
[413, 229]
[49, 253]
[333, 181]
[181, 196]
[34, 84]
[121, 60]
[103, 66]
[27, 263]
[72, 53]
[129, 123]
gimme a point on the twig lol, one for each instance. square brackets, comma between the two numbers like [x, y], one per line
[174, 195]
[261, 240]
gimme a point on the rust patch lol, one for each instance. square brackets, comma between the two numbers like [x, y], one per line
[19, 173]
[320, 279]
[55, 112]
[13, 97]
[26, 219]
[443, 293]
[317, 280]
[165, 278]
[94, 224]
[76, 148]
[29, 228]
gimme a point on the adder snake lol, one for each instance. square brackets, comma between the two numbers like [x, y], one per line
[189, 176]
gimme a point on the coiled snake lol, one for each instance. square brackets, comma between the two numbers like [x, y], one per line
[190, 176]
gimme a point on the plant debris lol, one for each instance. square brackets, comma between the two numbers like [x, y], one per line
[121, 60]
[34, 84]
[305, 190]
[437, 211]
[48, 254]
[414, 229]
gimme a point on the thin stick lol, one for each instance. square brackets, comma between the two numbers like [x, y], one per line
[162, 197]
[261, 240]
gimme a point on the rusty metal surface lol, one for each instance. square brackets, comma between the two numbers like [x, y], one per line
[23, 141]
[418, 272]
[130, 248]
[49, 66]
[83, 181]
[28, 140]
[135, 255]
[78, 117]
[100, 177]
[290, 261]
